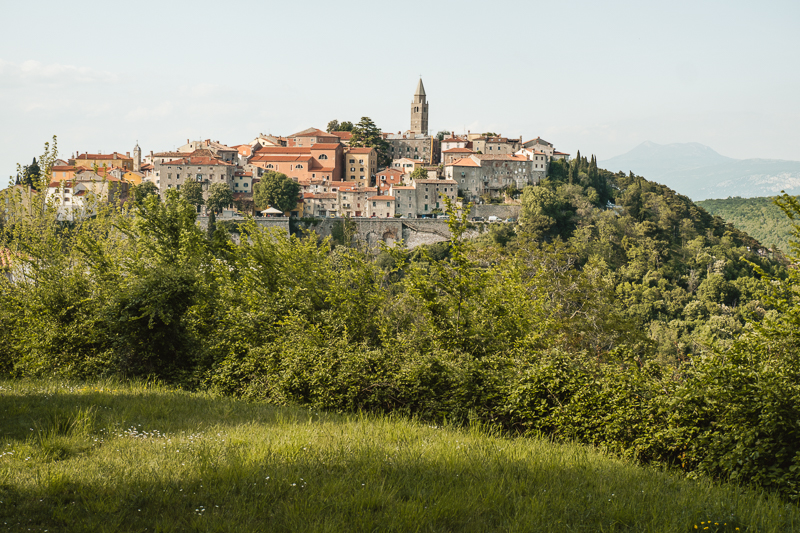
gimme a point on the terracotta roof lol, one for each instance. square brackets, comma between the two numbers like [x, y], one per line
[113, 155]
[312, 132]
[201, 161]
[359, 150]
[381, 197]
[282, 150]
[321, 195]
[325, 146]
[402, 188]
[458, 151]
[280, 158]
[538, 140]
[61, 168]
[170, 154]
[464, 162]
[501, 157]
[391, 170]
[561, 153]
[343, 134]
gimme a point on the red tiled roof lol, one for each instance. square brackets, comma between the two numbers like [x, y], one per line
[103, 156]
[381, 197]
[458, 151]
[280, 158]
[360, 150]
[282, 150]
[464, 162]
[325, 146]
[201, 161]
[343, 134]
[312, 132]
[390, 170]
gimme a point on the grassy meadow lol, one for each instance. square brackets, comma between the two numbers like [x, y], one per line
[113, 457]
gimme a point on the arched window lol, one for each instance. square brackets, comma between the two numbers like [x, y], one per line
[269, 166]
[323, 156]
[298, 166]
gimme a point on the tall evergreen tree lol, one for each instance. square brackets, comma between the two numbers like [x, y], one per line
[32, 175]
[367, 135]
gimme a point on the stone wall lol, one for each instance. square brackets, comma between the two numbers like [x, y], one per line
[265, 222]
[503, 211]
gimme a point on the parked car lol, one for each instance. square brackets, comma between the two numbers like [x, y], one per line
[477, 219]
[494, 219]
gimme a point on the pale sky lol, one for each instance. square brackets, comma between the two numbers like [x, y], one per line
[601, 77]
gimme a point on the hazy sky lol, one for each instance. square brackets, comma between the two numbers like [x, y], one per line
[601, 77]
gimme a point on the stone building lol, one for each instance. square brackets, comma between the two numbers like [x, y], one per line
[113, 159]
[496, 145]
[381, 206]
[201, 169]
[413, 146]
[482, 174]
[218, 150]
[311, 136]
[423, 198]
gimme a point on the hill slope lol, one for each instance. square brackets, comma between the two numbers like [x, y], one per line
[111, 457]
[758, 217]
[701, 173]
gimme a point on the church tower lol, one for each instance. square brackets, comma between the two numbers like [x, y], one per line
[137, 158]
[419, 111]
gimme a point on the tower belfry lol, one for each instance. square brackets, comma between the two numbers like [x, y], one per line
[419, 111]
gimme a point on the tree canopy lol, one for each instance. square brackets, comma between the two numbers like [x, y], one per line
[192, 191]
[219, 197]
[143, 190]
[419, 174]
[276, 190]
[367, 135]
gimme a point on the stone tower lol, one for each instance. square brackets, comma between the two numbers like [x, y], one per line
[419, 111]
[137, 158]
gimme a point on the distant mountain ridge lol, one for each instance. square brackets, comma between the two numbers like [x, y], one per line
[701, 173]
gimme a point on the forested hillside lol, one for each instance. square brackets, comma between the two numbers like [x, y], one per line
[759, 217]
[615, 313]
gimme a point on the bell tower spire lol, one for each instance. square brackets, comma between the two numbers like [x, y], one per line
[419, 110]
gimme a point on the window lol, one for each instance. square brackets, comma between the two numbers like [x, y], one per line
[178, 187]
[323, 156]
[244, 185]
[352, 161]
[352, 169]
[360, 161]
[298, 166]
[169, 175]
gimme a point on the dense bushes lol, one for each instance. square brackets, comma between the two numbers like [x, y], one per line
[533, 337]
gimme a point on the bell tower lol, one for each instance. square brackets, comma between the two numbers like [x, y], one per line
[137, 158]
[419, 111]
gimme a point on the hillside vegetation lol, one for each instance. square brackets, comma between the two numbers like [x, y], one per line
[760, 217]
[649, 328]
[106, 456]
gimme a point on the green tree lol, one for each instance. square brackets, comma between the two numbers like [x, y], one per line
[276, 190]
[346, 126]
[219, 197]
[143, 190]
[333, 125]
[490, 134]
[442, 134]
[192, 192]
[32, 175]
[367, 135]
[419, 174]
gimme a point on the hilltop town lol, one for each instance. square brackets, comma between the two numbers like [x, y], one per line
[403, 174]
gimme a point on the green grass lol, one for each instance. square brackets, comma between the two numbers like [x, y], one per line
[114, 457]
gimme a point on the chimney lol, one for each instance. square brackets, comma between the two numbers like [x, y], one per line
[187, 141]
[127, 154]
